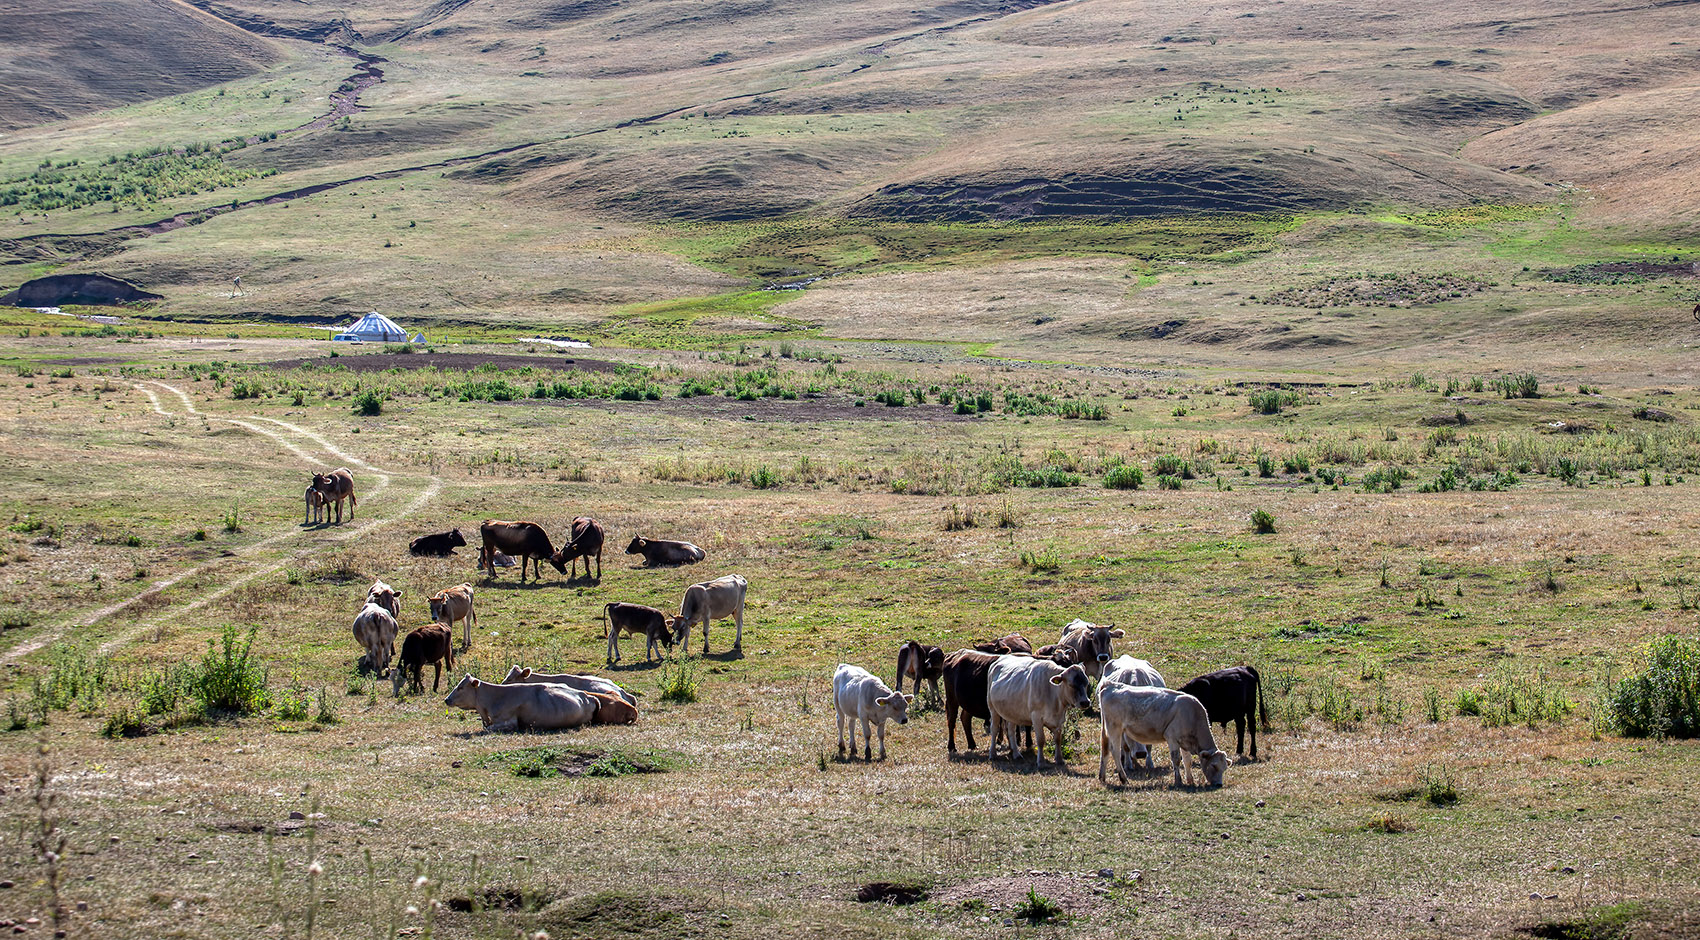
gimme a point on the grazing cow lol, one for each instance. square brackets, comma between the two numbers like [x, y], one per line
[524, 539]
[315, 506]
[520, 675]
[613, 710]
[432, 643]
[534, 706]
[441, 545]
[1012, 643]
[861, 696]
[374, 630]
[1151, 716]
[663, 552]
[712, 600]
[586, 541]
[1090, 643]
[1234, 694]
[1033, 692]
[335, 487]
[635, 619]
[917, 661]
[451, 604]
[1138, 672]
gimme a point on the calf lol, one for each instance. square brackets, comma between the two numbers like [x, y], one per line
[585, 541]
[1010, 643]
[520, 675]
[1033, 692]
[527, 540]
[916, 661]
[440, 545]
[432, 643]
[613, 710]
[1090, 644]
[1130, 671]
[633, 620]
[374, 630]
[335, 487]
[665, 552]
[1151, 716]
[1234, 694]
[538, 707]
[315, 506]
[712, 600]
[451, 604]
[861, 696]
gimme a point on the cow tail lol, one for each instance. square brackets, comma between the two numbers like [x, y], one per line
[902, 660]
[1262, 708]
[606, 623]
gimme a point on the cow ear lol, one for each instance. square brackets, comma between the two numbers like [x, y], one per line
[1118, 633]
[907, 699]
[1056, 679]
[475, 681]
[525, 673]
[882, 700]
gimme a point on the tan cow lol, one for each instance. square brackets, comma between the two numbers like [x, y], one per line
[451, 604]
[1090, 644]
[335, 487]
[712, 600]
[583, 683]
[316, 511]
[533, 706]
[1035, 693]
[613, 710]
[384, 596]
[1150, 716]
[1131, 671]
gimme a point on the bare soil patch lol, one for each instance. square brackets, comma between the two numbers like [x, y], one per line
[382, 362]
[768, 409]
[1078, 895]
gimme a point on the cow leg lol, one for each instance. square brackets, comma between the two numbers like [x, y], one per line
[613, 644]
[841, 733]
[738, 618]
[1251, 719]
[882, 740]
[1039, 752]
[1060, 761]
[511, 724]
[1239, 736]
[598, 566]
[995, 726]
[950, 723]
[1177, 758]
[868, 742]
[1104, 752]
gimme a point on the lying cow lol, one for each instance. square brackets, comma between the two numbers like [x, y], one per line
[520, 675]
[1151, 716]
[530, 706]
[1021, 691]
[1090, 644]
[1130, 671]
[663, 552]
[585, 541]
[917, 661]
[1234, 694]
[613, 710]
[527, 540]
[451, 604]
[433, 644]
[712, 600]
[1009, 643]
[335, 487]
[860, 696]
[316, 511]
[440, 545]
[636, 620]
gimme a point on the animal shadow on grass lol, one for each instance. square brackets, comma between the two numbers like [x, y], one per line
[583, 581]
[635, 665]
[725, 656]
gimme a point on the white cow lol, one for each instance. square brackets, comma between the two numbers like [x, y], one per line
[862, 696]
[1035, 693]
[524, 674]
[539, 706]
[712, 600]
[375, 630]
[1154, 716]
[1130, 671]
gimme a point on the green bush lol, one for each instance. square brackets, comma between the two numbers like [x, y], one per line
[1124, 477]
[1171, 465]
[1662, 699]
[231, 679]
[369, 402]
[1265, 465]
[678, 680]
[1167, 482]
[1518, 386]
[1262, 521]
[1266, 402]
[764, 478]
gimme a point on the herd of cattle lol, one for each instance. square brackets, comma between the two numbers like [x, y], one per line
[1019, 691]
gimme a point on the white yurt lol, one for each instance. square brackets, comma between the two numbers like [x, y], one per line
[374, 327]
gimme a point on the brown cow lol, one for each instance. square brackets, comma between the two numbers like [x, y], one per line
[613, 710]
[315, 513]
[526, 540]
[586, 541]
[964, 675]
[665, 552]
[432, 643]
[633, 620]
[1009, 643]
[917, 661]
[335, 487]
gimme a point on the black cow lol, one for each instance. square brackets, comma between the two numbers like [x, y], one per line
[917, 661]
[636, 619]
[665, 551]
[432, 643]
[525, 540]
[440, 545]
[1234, 694]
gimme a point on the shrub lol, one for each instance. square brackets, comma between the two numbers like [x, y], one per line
[369, 402]
[123, 723]
[293, 703]
[1265, 465]
[764, 478]
[1518, 386]
[1663, 698]
[1170, 465]
[1043, 560]
[1168, 482]
[678, 680]
[1124, 477]
[1262, 522]
[231, 679]
[1266, 402]
[1037, 908]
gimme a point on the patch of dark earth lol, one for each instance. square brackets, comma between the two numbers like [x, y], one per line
[383, 362]
[1377, 290]
[762, 409]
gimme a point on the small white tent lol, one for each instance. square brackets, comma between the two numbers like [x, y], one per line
[374, 327]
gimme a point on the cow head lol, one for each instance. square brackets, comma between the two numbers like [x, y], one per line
[638, 544]
[439, 606]
[1214, 764]
[384, 596]
[559, 560]
[1077, 691]
[518, 674]
[465, 694]
[612, 709]
[455, 538]
[933, 659]
[681, 628]
[321, 481]
[896, 706]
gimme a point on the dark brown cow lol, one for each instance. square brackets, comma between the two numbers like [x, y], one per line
[964, 677]
[525, 540]
[432, 643]
[635, 620]
[665, 552]
[335, 487]
[440, 545]
[917, 661]
[1234, 694]
[1011, 643]
[586, 541]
